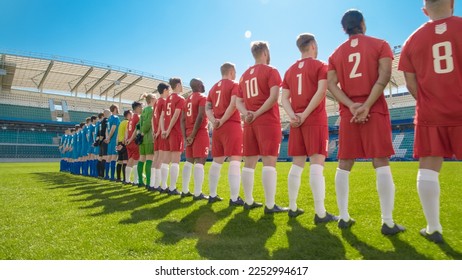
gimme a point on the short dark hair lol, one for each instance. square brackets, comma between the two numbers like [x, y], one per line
[135, 105]
[127, 112]
[77, 126]
[304, 40]
[100, 115]
[82, 124]
[174, 82]
[87, 120]
[162, 87]
[72, 129]
[93, 118]
[351, 22]
[226, 67]
[113, 107]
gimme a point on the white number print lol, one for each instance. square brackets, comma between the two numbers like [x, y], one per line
[189, 113]
[356, 58]
[299, 78]
[218, 98]
[251, 87]
[438, 58]
[169, 109]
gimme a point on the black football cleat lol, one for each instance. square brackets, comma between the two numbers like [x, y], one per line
[238, 202]
[174, 192]
[436, 236]
[342, 224]
[275, 209]
[213, 199]
[328, 218]
[386, 230]
[188, 194]
[253, 205]
[296, 213]
[201, 197]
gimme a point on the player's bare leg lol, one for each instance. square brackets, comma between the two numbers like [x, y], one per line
[342, 188]
[428, 187]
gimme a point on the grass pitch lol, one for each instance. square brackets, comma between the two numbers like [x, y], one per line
[50, 215]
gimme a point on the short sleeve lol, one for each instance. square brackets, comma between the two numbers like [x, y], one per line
[285, 82]
[322, 72]
[275, 78]
[405, 63]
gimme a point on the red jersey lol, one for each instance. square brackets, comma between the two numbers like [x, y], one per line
[254, 88]
[132, 125]
[433, 53]
[220, 97]
[356, 62]
[173, 102]
[191, 109]
[302, 80]
[160, 104]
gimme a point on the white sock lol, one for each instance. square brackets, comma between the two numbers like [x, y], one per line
[269, 179]
[174, 171]
[247, 184]
[153, 178]
[386, 190]
[318, 188]
[234, 178]
[214, 177]
[198, 178]
[128, 171]
[428, 187]
[158, 180]
[341, 188]
[293, 182]
[187, 167]
[164, 174]
[135, 174]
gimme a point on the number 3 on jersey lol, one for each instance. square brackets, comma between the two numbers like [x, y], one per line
[189, 112]
[251, 87]
[439, 58]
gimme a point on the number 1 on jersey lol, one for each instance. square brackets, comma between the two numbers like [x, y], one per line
[299, 78]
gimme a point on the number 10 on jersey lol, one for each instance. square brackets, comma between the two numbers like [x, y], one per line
[251, 87]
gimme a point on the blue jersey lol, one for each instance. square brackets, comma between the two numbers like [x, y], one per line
[91, 134]
[85, 136]
[113, 120]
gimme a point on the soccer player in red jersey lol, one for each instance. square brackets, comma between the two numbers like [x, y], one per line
[227, 134]
[362, 66]
[304, 100]
[194, 128]
[257, 101]
[432, 65]
[160, 144]
[173, 107]
[133, 149]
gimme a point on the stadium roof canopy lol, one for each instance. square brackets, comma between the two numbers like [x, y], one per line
[55, 74]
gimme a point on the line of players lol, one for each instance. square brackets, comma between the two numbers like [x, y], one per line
[357, 73]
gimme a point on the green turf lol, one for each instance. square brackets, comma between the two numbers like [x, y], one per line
[50, 215]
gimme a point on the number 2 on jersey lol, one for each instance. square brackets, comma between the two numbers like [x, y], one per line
[251, 87]
[356, 58]
[438, 58]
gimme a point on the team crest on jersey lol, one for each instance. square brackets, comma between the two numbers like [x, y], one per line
[441, 28]
[251, 71]
[301, 64]
[354, 43]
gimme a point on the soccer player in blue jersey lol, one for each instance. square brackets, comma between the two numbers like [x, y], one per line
[111, 140]
[92, 149]
[85, 146]
[62, 141]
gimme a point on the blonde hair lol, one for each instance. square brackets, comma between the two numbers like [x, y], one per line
[258, 47]
[226, 67]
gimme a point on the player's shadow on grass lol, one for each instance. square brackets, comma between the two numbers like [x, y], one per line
[242, 238]
[159, 210]
[402, 251]
[310, 244]
[113, 197]
[450, 252]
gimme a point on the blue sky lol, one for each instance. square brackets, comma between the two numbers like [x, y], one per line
[193, 38]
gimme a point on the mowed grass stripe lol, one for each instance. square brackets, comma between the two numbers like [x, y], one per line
[50, 215]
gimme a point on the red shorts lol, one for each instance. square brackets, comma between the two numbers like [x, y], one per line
[438, 141]
[227, 140]
[308, 140]
[262, 140]
[133, 151]
[175, 142]
[160, 144]
[200, 146]
[370, 140]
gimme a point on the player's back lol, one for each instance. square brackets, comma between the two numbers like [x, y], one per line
[220, 98]
[356, 62]
[254, 88]
[159, 107]
[191, 109]
[113, 121]
[173, 102]
[132, 125]
[433, 52]
[302, 79]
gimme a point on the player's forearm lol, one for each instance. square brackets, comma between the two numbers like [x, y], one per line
[111, 133]
[240, 105]
[285, 102]
[183, 124]
[161, 122]
[317, 98]
[197, 124]
[411, 83]
[209, 112]
[273, 98]
[230, 110]
[381, 83]
[174, 119]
